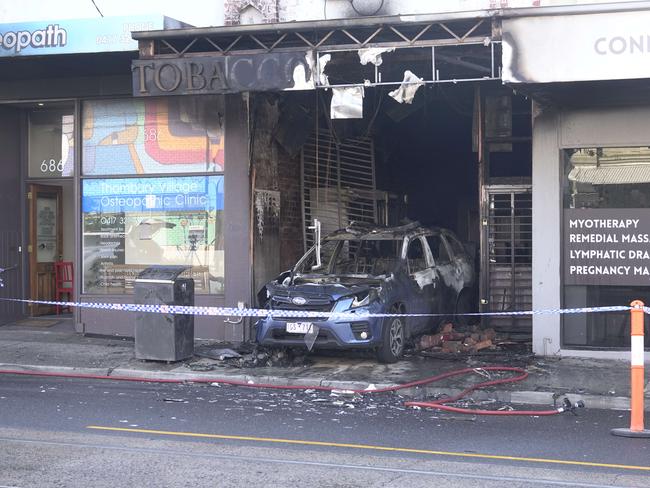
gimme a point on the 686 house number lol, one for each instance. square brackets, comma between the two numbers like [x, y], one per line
[52, 166]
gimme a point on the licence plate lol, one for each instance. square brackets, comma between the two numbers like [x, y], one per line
[299, 327]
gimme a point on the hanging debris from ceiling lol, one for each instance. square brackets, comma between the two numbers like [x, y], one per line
[373, 55]
[406, 91]
[303, 74]
[322, 62]
[347, 103]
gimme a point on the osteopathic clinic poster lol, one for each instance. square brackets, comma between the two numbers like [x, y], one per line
[607, 246]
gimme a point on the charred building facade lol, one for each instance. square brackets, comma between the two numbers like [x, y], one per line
[218, 147]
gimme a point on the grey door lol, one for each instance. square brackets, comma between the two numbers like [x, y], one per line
[10, 220]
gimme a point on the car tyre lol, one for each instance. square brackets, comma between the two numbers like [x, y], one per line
[393, 338]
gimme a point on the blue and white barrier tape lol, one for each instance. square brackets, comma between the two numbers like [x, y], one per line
[261, 312]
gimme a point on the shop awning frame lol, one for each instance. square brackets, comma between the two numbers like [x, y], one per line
[340, 34]
[471, 43]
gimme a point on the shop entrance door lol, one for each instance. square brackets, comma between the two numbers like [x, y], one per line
[507, 258]
[45, 243]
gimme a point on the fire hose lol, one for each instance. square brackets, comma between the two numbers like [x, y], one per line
[439, 404]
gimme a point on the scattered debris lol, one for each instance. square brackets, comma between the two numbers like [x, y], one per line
[246, 355]
[483, 372]
[175, 400]
[311, 336]
[342, 392]
[482, 345]
[200, 367]
[450, 341]
[429, 341]
[218, 353]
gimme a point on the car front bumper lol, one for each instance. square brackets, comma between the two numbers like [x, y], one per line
[339, 334]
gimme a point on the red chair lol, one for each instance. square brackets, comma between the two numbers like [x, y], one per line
[64, 276]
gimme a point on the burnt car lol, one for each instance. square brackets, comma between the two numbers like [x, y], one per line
[363, 270]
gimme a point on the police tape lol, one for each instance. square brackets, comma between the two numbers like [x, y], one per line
[278, 313]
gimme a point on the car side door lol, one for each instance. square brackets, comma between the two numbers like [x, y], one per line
[423, 281]
[463, 267]
[445, 270]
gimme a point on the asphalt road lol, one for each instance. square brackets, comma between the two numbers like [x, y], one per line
[56, 432]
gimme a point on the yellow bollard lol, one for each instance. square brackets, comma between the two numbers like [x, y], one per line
[636, 376]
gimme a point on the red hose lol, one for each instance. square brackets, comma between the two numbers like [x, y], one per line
[437, 404]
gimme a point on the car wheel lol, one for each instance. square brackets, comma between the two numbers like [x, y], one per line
[465, 304]
[392, 341]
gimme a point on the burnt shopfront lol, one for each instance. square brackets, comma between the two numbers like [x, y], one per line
[591, 155]
[217, 148]
[376, 121]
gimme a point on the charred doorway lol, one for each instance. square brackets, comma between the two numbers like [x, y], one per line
[389, 135]
[457, 157]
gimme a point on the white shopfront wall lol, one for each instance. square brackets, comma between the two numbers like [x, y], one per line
[582, 55]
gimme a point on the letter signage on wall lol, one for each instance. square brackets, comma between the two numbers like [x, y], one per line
[108, 34]
[223, 74]
[606, 46]
[607, 246]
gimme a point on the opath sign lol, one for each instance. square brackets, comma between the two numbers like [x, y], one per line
[109, 34]
[607, 246]
[605, 46]
[223, 74]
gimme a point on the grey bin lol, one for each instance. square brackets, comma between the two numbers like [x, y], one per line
[164, 336]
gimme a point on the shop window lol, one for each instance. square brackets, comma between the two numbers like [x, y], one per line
[51, 142]
[132, 223]
[606, 232]
[153, 136]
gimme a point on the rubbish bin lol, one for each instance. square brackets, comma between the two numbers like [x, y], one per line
[163, 336]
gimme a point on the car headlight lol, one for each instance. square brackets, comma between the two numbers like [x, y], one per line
[365, 298]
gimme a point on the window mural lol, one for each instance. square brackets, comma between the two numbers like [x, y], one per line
[149, 136]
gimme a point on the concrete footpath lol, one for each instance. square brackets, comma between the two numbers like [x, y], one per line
[599, 383]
